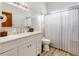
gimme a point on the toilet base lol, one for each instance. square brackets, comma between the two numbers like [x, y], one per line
[45, 47]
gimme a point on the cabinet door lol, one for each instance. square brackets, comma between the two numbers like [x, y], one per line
[12, 52]
[24, 50]
[33, 46]
[38, 45]
[28, 49]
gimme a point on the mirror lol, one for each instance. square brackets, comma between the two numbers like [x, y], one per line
[18, 15]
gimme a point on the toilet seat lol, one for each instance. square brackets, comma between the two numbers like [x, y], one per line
[45, 41]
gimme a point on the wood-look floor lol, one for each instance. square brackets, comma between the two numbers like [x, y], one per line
[55, 52]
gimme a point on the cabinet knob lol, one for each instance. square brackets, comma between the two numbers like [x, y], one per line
[30, 45]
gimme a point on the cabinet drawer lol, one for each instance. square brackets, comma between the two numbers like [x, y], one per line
[12, 52]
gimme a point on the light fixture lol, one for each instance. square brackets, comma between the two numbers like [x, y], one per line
[23, 4]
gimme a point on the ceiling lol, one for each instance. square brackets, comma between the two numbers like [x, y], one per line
[53, 6]
[47, 7]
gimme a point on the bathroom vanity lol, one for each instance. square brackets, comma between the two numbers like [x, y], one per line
[25, 44]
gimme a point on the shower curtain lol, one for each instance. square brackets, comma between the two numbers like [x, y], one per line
[62, 28]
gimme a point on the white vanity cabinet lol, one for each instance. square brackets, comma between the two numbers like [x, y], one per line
[25, 46]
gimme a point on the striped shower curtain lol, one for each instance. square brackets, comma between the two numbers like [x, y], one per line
[62, 28]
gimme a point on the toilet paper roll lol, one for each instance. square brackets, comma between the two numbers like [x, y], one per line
[3, 18]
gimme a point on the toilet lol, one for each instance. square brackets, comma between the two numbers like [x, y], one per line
[46, 43]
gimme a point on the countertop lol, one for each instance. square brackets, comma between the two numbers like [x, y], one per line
[17, 36]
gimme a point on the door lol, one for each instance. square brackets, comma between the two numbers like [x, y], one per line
[53, 29]
[8, 23]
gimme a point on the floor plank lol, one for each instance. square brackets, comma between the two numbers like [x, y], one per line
[50, 52]
[55, 52]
